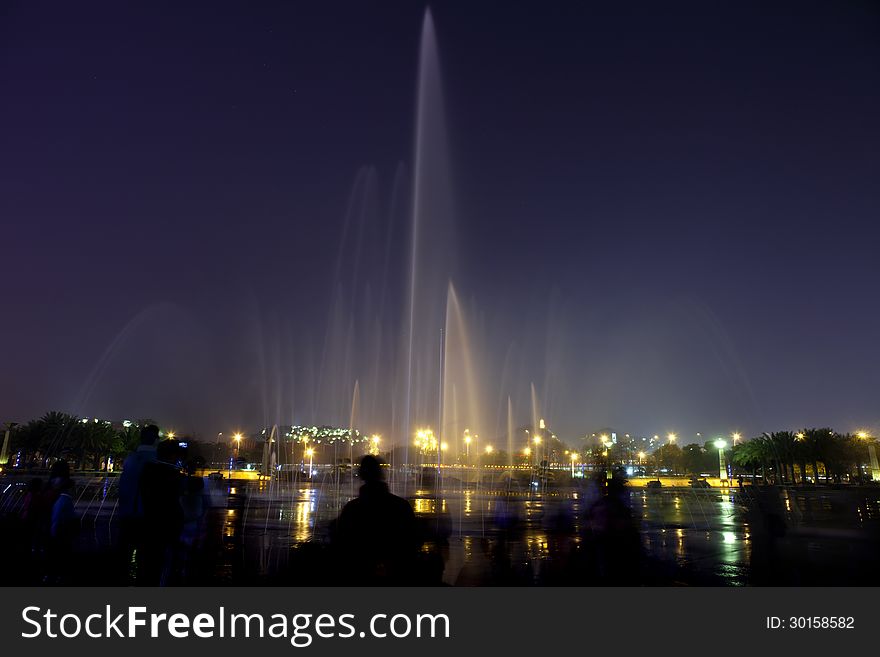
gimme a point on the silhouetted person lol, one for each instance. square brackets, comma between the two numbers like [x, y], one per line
[614, 537]
[767, 526]
[160, 491]
[192, 536]
[377, 532]
[63, 525]
[131, 512]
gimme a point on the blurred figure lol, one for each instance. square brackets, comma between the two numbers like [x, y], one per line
[767, 526]
[34, 487]
[613, 538]
[63, 525]
[192, 536]
[377, 533]
[161, 487]
[131, 512]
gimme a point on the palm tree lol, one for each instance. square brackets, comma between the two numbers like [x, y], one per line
[832, 452]
[745, 455]
[753, 453]
[783, 445]
[813, 445]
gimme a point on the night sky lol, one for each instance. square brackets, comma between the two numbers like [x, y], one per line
[665, 214]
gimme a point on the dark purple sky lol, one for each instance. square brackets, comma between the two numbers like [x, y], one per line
[666, 217]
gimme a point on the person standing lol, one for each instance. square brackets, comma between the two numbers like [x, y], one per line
[131, 513]
[377, 532]
[160, 490]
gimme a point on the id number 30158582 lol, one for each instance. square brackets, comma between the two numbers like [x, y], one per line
[810, 623]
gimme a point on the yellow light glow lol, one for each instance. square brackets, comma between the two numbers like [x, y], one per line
[527, 451]
[672, 437]
[237, 437]
[310, 452]
[575, 456]
[170, 435]
[537, 440]
[489, 449]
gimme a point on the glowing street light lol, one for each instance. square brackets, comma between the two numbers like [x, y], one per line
[671, 438]
[574, 457]
[311, 454]
[374, 439]
[736, 436]
[722, 464]
[872, 455]
[170, 435]
[489, 449]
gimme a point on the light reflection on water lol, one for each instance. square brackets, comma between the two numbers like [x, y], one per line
[709, 535]
[698, 530]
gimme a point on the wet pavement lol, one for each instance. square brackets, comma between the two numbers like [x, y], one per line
[262, 532]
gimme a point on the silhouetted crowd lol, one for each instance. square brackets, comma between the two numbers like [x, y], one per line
[165, 534]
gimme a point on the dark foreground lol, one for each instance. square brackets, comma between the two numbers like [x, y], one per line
[273, 533]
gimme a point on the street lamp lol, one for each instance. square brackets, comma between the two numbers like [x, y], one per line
[467, 445]
[237, 438]
[722, 464]
[671, 438]
[574, 457]
[736, 436]
[872, 455]
[310, 453]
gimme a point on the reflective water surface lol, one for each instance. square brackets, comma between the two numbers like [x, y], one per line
[275, 532]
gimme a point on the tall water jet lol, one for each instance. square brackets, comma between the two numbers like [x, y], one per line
[510, 430]
[460, 377]
[430, 257]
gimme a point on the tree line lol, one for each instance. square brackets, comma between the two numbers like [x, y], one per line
[788, 457]
[779, 457]
[85, 443]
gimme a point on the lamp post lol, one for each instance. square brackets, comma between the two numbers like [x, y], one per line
[311, 454]
[722, 463]
[467, 446]
[574, 457]
[872, 455]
